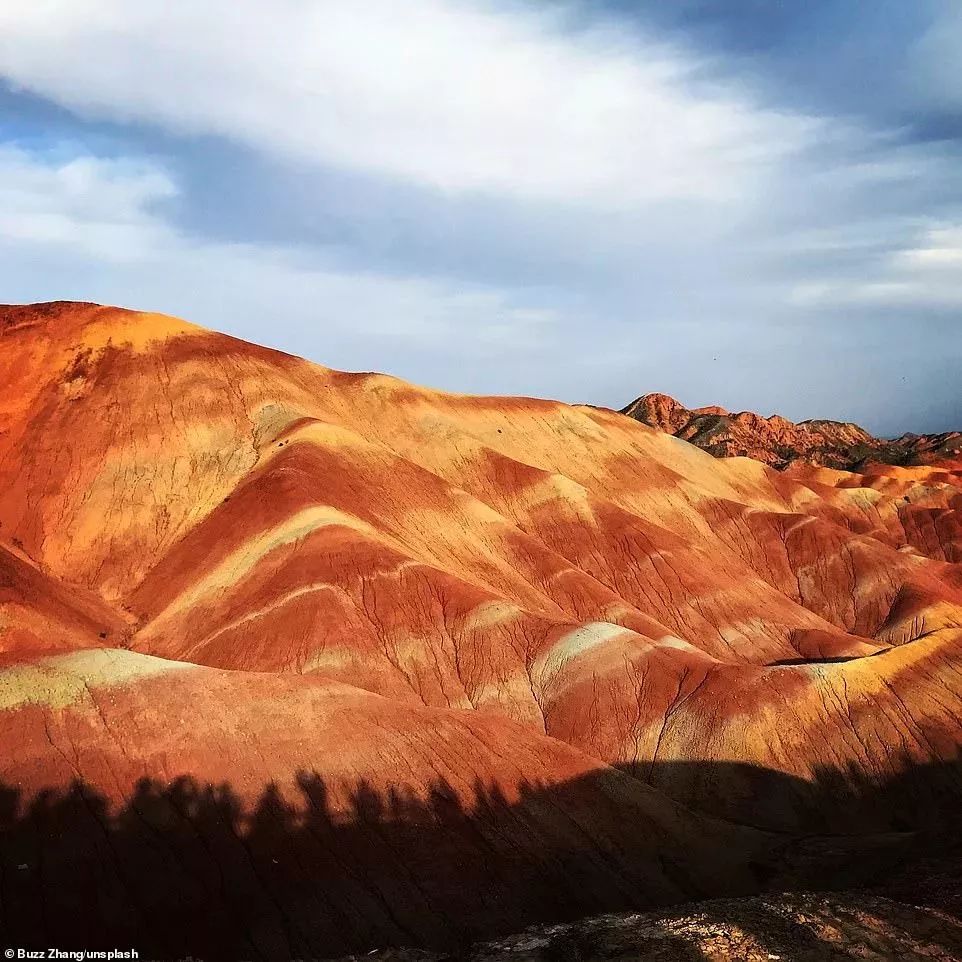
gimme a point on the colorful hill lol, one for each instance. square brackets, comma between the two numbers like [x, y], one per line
[295, 662]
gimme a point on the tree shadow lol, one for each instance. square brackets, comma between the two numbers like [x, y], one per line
[835, 801]
[187, 869]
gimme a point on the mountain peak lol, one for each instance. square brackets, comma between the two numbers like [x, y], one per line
[779, 442]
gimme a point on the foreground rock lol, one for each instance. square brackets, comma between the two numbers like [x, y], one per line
[793, 928]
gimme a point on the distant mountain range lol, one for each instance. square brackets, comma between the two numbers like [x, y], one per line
[778, 442]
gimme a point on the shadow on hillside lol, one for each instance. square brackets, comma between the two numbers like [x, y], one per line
[184, 869]
[836, 800]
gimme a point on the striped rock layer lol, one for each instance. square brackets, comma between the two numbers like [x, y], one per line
[296, 662]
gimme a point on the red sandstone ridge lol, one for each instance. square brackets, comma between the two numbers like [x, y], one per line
[300, 663]
[779, 442]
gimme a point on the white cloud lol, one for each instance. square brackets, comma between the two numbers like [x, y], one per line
[638, 222]
[99, 205]
[455, 95]
[89, 228]
[940, 249]
[924, 274]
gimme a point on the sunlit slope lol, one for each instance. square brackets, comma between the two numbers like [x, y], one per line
[567, 568]
[915, 509]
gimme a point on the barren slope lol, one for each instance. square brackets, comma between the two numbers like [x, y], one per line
[554, 660]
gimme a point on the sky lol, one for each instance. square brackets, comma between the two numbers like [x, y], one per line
[751, 203]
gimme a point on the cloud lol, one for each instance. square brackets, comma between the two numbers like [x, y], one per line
[942, 250]
[923, 274]
[97, 225]
[99, 205]
[456, 96]
[483, 195]
[933, 60]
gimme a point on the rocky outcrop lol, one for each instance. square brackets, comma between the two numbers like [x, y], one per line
[779, 442]
[801, 928]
